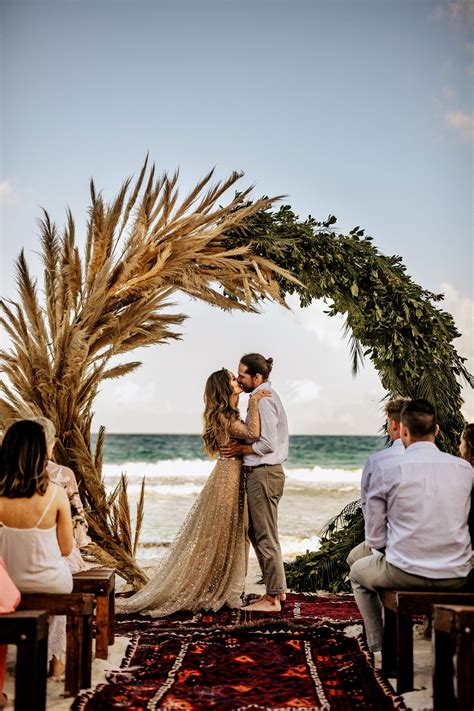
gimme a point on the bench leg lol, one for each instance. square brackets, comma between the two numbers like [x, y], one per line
[30, 681]
[404, 651]
[86, 659]
[389, 644]
[464, 671]
[443, 673]
[73, 655]
[102, 622]
[112, 617]
[42, 669]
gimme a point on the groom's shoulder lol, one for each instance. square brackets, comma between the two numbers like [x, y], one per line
[272, 401]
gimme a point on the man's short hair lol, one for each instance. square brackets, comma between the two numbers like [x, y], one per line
[394, 408]
[420, 418]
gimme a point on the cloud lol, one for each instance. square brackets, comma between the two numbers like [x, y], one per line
[461, 309]
[461, 10]
[313, 319]
[448, 93]
[299, 392]
[456, 11]
[7, 194]
[130, 393]
[462, 122]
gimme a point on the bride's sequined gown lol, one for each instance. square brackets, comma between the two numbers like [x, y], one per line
[205, 566]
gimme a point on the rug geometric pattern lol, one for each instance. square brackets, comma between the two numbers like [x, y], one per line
[250, 668]
[257, 663]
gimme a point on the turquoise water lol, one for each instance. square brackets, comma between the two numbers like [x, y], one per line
[335, 451]
[323, 475]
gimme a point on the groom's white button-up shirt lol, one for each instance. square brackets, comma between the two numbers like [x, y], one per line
[272, 446]
[418, 509]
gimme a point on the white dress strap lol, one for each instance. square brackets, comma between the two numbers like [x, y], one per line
[48, 505]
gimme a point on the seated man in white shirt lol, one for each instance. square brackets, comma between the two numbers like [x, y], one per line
[417, 516]
[393, 412]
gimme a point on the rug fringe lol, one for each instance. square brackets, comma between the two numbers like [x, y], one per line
[268, 626]
[398, 701]
[80, 702]
[130, 651]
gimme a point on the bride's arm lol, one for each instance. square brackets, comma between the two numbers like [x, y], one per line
[251, 430]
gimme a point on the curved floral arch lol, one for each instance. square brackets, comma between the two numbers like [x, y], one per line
[388, 318]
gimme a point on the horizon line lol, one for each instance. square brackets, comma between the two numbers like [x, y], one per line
[198, 434]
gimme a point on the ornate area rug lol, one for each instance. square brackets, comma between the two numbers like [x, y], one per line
[340, 610]
[267, 665]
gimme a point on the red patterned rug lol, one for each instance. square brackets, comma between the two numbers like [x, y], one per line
[268, 666]
[340, 610]
[236, 660]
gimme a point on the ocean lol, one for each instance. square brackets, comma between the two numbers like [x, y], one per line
[323, 475]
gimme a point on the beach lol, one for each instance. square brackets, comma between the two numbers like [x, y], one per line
[322, 476]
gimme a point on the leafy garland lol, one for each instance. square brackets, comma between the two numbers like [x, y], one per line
[388, 317]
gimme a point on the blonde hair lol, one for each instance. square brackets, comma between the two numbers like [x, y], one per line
[218, 412]
[48, 427]
[394, 408]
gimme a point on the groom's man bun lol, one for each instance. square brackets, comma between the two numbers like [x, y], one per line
[257, 364]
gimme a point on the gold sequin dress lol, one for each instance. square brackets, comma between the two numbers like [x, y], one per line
[205, 566]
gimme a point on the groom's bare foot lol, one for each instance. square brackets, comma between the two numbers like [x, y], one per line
[280, 596]
[268, 603]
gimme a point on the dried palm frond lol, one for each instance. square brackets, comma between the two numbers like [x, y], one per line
[140, 249]
[140, 514]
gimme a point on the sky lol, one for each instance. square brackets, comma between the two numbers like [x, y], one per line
[362, 109]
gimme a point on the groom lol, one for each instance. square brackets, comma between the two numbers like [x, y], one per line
[265, 479]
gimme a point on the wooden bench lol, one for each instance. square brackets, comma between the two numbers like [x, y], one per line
[28, 630]
[79, 608]
[101, 583]
[399, 608]
[453, 638]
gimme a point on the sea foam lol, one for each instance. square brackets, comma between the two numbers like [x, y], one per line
[174, 473]
[291, 546]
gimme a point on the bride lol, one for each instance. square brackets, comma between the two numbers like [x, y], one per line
[205, 566]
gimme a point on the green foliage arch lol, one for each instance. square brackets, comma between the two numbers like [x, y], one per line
[388, 318]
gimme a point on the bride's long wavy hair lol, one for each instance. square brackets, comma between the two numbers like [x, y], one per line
[218, 411]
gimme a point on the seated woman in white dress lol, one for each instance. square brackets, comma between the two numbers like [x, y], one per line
[59, 474]
[35, 525]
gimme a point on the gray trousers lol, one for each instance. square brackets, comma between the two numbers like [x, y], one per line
[373, 573]
[357, 552]
[264, 490]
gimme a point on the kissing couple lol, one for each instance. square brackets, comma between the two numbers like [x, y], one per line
[206, 565]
